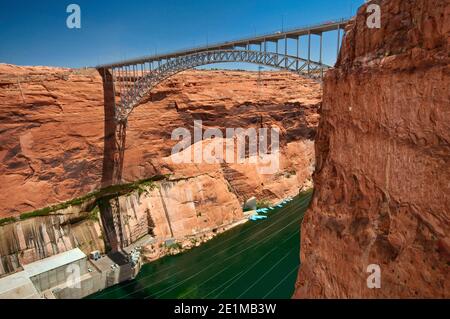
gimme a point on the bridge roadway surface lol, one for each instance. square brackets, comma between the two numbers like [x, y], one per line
[256, 260]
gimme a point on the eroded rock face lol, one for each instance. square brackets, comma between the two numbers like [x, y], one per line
[52, 146]
[177, 210]
[52, 130]
[383, 158]
[30, 240]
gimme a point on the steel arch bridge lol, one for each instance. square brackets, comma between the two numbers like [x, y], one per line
[132, 80]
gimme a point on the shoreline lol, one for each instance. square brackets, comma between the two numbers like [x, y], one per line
[212, 235]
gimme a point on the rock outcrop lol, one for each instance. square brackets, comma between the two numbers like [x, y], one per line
[382, 191]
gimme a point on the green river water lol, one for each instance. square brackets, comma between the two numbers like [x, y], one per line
[255, 260]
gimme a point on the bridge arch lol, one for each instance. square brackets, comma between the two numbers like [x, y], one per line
[126, 83]
[132, 80]
[142, 84]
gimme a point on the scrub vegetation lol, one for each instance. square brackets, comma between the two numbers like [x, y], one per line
[141, 186]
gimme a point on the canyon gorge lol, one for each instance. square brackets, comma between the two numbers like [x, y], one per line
[53, 145]
[373, 140]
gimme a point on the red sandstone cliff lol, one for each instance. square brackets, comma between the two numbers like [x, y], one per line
[382, 190]
[52, 149]
[52, 131]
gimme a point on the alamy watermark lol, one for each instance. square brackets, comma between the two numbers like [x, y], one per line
[74, 19]
[213, 147]
[73, 280]
[374, 279]
[374, 19]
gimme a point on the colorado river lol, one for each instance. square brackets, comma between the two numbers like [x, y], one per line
[255, 260]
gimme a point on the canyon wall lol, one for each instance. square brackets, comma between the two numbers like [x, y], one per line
[52, 131]
[173, 210]
[382, 190]
[52, 146]
[26, 241]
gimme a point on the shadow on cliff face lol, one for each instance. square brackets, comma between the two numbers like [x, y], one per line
[114, 135]
[113, 157]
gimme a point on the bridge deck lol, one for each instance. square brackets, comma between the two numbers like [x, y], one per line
[272, 37]
[134, 79]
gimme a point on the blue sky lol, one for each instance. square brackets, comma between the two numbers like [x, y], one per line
[35, 32]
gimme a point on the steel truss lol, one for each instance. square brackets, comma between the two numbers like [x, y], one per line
[134, 79]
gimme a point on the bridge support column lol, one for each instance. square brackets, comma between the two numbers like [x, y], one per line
[114, 134]
[127, 79]
[338, 42]
[276, 49]
[118, 81]
[132, 77]
[309, 52]
[265, 51]
[320, 59]
[113, 78]
[285, 51]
